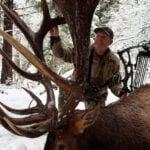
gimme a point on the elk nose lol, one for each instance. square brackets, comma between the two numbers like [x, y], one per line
[61, 147]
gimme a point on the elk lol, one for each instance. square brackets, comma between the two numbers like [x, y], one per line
[123, 125]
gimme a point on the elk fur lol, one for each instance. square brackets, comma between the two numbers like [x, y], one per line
[124, 125]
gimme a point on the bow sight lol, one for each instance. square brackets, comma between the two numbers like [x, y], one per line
[136, 64]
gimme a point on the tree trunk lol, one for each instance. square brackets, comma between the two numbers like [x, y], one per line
[6, 74]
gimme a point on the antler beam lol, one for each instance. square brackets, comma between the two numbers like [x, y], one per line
[42, 118]
[70, 9]
[78, 15]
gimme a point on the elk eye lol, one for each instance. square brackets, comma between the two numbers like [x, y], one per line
[61, 147]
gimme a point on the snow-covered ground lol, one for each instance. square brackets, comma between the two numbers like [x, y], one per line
[18, 98]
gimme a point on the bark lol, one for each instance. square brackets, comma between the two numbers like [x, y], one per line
[6, 73]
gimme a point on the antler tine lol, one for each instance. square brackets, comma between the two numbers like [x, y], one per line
[32, 76]
[29, 119]
[27, 111]
[38, 101]
[47, 22]
[34, 130]
[67, 109]
[50, 97]
[27, 132]
[5, 125]
[50, 93]
[46, 19]
[36, 109]
[29, 34]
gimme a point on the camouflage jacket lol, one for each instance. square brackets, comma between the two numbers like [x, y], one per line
[103, 68]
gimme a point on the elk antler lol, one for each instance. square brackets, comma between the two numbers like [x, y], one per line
[78, 15]
[45, 118]
[42, 118]
[38, 123]
[35, 39]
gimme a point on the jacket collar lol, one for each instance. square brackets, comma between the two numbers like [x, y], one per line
[107, 52]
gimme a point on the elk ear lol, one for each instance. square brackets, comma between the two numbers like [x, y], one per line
[82, 120]
[50, 141]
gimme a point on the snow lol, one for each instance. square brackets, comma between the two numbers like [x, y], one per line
[130, 24]
[17, 98]
[9, 141]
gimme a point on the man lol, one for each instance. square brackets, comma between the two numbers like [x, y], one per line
[104, 65]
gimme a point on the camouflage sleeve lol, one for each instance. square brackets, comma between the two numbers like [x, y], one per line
[115, 84]
[116, 88]
[67, 54]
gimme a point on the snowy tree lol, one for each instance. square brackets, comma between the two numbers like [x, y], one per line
[6, 73]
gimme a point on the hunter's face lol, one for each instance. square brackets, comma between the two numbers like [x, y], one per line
[101, 42]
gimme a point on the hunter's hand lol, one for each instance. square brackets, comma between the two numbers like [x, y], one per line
[54, 31]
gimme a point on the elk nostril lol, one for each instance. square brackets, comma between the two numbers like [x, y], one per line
[61, 147]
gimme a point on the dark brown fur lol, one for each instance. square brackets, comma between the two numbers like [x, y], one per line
[124, 125]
